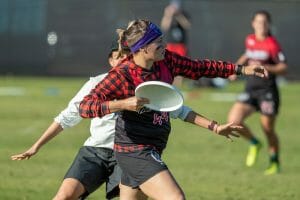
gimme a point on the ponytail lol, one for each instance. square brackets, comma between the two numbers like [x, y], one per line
[129, 36]
[121, 41]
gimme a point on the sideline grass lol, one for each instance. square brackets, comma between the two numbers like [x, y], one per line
[207, 166]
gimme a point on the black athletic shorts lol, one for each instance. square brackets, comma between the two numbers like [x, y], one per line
[139, 165]
[265, 101]
[94, 166]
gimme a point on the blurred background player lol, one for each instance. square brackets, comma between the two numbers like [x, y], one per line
[261, 94]
[175, 23]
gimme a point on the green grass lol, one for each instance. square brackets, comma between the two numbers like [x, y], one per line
[206, 166]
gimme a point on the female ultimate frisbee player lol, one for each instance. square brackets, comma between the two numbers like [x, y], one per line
[95, 162]
[139, 139]
[261, 94]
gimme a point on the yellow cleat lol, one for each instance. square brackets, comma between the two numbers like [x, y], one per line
[252, 154]
[273, 169]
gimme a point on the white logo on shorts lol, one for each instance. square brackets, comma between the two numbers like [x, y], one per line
[267, 107]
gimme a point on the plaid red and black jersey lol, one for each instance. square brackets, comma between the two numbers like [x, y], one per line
[122, 80]
[195, 69]
[148, 127]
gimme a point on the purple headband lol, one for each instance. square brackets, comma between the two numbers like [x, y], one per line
[151, 34]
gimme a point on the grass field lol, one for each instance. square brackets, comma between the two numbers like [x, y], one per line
[207, 166]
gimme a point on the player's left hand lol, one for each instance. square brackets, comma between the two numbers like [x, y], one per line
[228, 130]
[255, 70]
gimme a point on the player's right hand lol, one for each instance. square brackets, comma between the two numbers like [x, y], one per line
[24, 156]
[135, 103]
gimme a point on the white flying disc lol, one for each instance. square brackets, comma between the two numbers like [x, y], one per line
[162, 96]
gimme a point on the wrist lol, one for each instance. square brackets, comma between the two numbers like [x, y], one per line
[36, 147]
[216, 128]
[213, 126]
[239, 70]
[115, 105]
[121, 104]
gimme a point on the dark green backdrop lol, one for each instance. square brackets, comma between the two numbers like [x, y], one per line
[84, 29]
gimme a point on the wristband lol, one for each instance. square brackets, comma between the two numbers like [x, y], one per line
[239, 69]
[212, 125]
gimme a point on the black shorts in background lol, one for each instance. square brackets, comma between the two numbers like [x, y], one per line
[140, 165]
[265, 101]
[94, 166]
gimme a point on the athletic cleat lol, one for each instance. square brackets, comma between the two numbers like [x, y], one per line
[272, 169]
[253, 154]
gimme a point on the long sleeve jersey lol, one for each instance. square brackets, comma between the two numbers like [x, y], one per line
[102, 129]
[147, 127]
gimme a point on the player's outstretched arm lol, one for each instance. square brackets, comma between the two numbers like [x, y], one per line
[69, 117]
[50, 133]
[227, 130]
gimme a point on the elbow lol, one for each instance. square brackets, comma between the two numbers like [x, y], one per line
[284, 70]
[83, 113]
[90, 109]
[85, 110]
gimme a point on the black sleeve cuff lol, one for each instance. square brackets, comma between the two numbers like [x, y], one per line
[239, 69]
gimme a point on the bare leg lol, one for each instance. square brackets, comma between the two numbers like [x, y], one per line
[128, 193]
[268, 124]
[238, 113]
[163, 186]
[70, 189]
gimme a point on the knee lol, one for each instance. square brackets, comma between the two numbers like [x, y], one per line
[177, 196]
[180, 197]
[64, 196]
[69, 189]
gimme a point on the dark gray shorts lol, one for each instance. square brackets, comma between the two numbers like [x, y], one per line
[94, 166]
[140, 165]
[267, 102]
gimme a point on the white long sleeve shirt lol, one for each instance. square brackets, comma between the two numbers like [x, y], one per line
[102, 129]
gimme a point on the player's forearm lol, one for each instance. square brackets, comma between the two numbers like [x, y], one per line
[116, 106]
[195, 69]
[242, 60]
[166, 23]
[53, 130]
[278, 69]
[199, 120]
[184, 22]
